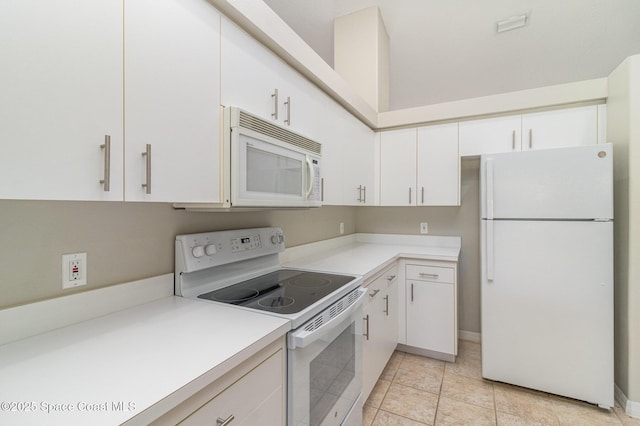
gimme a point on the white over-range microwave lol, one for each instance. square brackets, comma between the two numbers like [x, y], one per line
[265, 165]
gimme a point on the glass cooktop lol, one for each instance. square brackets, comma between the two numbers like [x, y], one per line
[285, 291]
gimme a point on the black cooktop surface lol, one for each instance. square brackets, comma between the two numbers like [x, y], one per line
[285, 291]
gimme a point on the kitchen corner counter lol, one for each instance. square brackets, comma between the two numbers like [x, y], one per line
[109, 370]
[367, 254]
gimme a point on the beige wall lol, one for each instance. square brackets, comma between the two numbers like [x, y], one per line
[623, 130]
[123, 241]
[463, 221]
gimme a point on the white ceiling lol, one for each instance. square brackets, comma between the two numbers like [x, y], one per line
[445, 50]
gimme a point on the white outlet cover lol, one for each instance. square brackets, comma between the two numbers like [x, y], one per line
[67, 259]
[424, 228]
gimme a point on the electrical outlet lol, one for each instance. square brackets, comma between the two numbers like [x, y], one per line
[424, 228]
[341, 228]
[74, 270]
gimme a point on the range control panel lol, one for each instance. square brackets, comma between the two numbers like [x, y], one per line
[195, 252]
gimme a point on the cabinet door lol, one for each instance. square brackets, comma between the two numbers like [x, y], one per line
[398, 168]
[372, 345]
[431, 316]
[172, 97]
[359, 159]
[490, 135]
[247, 80]
[391, 317]
[438, 166]
[255, 399]
[560, 128]
[61, 85]
[257, 80]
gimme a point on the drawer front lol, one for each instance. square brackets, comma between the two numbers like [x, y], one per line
[257, 395]
[430, 273]
[378, 286]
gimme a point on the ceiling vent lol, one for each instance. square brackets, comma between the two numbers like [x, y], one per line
[512, 23]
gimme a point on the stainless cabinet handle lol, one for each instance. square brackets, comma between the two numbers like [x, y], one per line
[147, 155]
[530, 138]
[424, 274]
[288, 104]
[386, 305]
[366, 319]
[412, 292]
[274, 114]
[322, 189]
[373, 294]
[225, 422]
[391, 278]
[513, 140]
[359, 194]
[364, 198]
[409, 195]
[423, 195]
[107, 163]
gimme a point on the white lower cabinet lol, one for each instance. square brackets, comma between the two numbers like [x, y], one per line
[254, 393]
[431, 308]
[380, 326]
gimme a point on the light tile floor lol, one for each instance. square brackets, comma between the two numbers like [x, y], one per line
[415, 390]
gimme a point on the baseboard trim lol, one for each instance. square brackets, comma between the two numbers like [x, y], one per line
[632, 408]
[470, 336]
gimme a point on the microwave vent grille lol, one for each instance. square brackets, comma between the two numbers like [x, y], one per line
[261, 126]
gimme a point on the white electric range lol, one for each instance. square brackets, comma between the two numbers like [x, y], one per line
[324, 362]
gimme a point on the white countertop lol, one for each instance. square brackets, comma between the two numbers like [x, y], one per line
[153, 355]
[366, 254]
[141, 360]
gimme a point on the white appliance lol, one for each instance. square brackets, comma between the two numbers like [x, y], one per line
[547, 271]
[324, 348]
[264, 165]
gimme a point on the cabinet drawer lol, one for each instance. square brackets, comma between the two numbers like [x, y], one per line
[430, 273]
[256, 396]
[379, 284]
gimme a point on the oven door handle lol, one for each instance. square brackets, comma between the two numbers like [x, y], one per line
[303, 338]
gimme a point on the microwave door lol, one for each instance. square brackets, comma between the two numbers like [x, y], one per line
[270, 175]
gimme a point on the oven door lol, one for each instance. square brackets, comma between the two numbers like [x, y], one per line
[269, 173]
[325, 370]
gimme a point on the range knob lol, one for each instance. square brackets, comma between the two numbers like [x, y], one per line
[210, 249]
[197, 251]
[277, 239]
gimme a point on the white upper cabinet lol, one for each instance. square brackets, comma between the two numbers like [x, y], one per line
[255, 79]
[420, 167]
[61, 86]
[438, 179]
[358, 158]
[560, 128]
[172, 92]
[542, 130]
[398, 167]
[491, 135]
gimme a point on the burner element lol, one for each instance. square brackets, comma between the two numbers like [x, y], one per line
[309, 281]
[276, 301]
[235, 295]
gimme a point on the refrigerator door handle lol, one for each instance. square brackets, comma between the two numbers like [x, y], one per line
[489, 188]
[489, 256]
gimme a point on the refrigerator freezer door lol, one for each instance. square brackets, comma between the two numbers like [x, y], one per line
[563, 183]
[547, 315]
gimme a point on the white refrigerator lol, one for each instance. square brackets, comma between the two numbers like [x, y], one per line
[547, 271]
